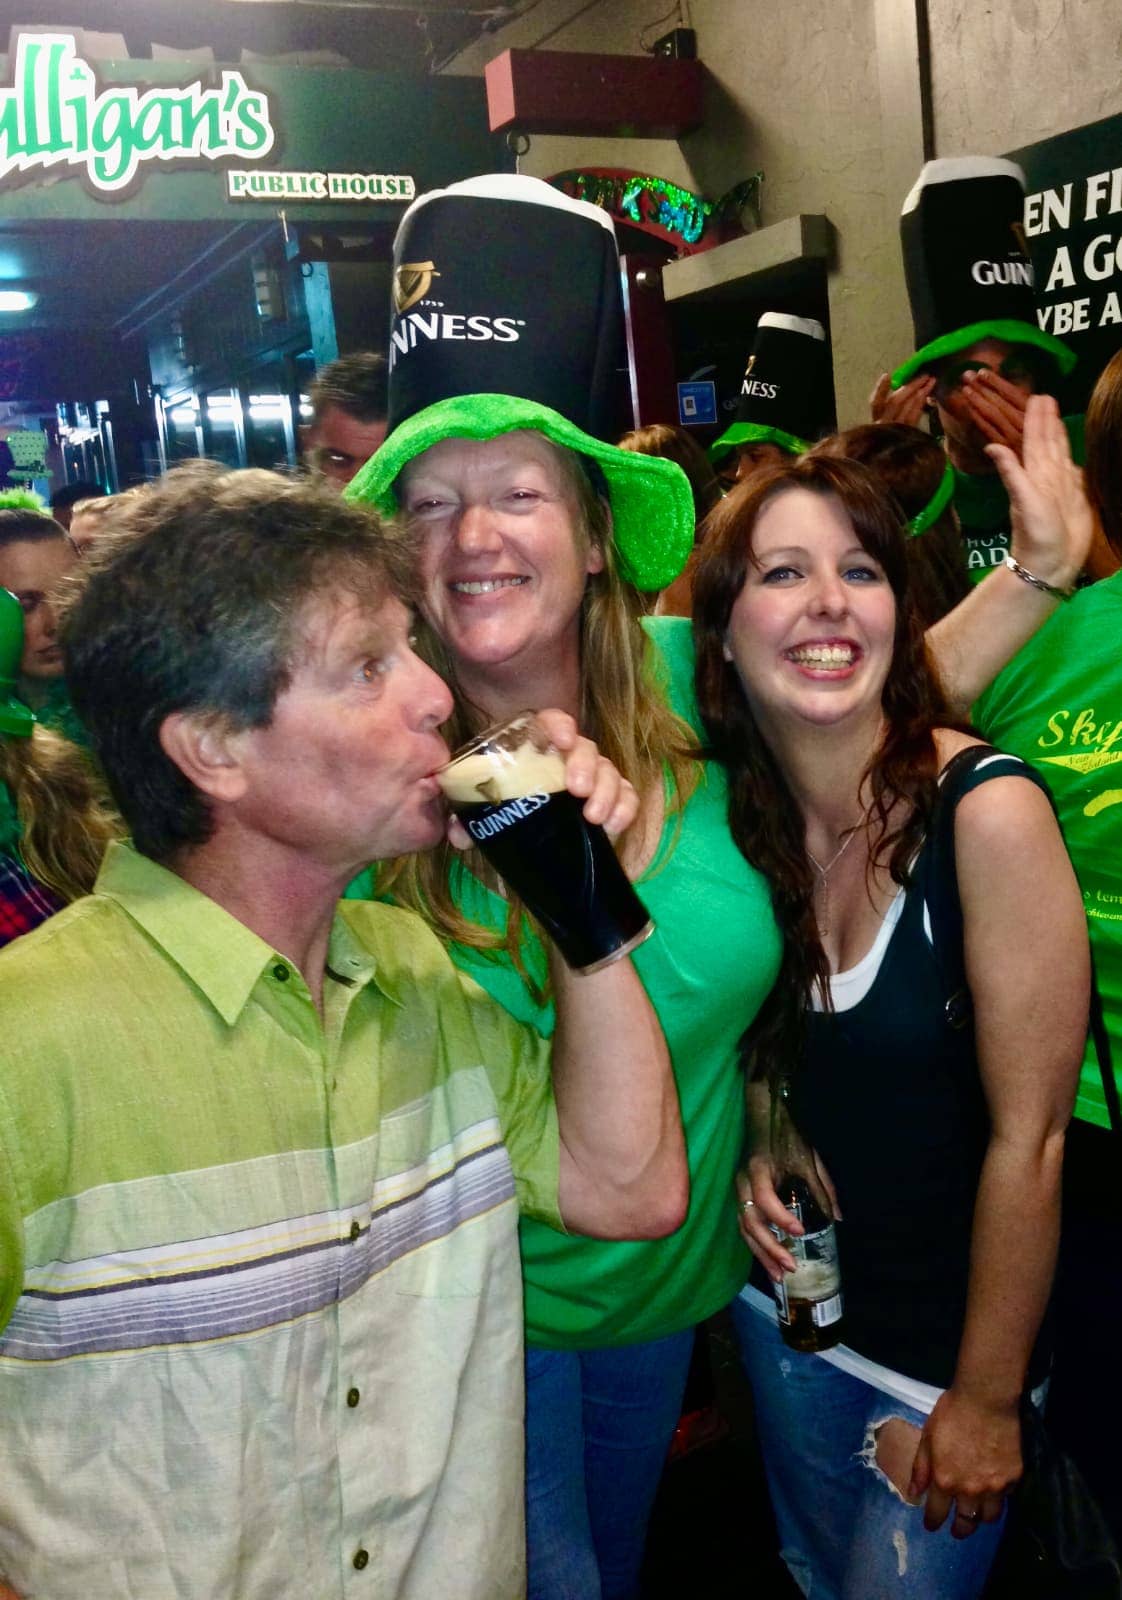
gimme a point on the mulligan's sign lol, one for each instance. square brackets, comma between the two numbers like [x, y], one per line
[56, 118]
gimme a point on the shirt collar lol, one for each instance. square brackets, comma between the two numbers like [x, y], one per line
[221, 956]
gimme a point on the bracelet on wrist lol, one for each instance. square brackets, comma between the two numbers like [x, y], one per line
[1037, 583]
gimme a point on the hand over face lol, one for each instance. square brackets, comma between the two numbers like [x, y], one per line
[995, 406]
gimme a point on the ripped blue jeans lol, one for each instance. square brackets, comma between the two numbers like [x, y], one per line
[844, 1531]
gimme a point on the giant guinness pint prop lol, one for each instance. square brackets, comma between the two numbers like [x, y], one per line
[968, 272]
[508, 789]
[507, 314]
[786, 394]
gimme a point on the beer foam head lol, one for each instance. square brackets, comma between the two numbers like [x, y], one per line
[496, 773]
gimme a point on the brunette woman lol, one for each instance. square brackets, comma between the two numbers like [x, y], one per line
[945, 1145]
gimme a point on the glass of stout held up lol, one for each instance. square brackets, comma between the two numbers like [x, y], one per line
[507, 787]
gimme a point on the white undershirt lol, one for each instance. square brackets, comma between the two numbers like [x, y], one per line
[848, 988]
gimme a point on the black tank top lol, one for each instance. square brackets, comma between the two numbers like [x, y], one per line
[890, 1096]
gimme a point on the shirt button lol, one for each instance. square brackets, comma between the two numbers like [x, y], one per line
[280, 972]
[353, 1398]
[361, 1559]
[356, 1228]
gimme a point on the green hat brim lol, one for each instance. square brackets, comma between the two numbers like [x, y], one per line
[651, 499]
[1009, 330]
[754, 433]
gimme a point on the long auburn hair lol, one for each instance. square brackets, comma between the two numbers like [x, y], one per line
[623, 708]
[66, 820]
[764, 818]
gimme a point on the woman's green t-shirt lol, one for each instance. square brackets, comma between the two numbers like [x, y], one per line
[708, 967]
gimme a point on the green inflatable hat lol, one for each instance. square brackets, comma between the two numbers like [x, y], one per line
[651, 499]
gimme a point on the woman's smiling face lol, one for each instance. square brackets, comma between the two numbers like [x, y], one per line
[504, 560]
[811, 633]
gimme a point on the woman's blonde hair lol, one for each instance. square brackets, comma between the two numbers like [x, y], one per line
[65, 819]
[623, 708]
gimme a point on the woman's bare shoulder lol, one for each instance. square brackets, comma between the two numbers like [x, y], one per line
[1010, 799]
[949, 741]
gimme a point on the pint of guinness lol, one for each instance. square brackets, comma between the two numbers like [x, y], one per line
[508, 789]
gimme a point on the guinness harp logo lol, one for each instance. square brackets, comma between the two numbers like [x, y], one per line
[750, 366]
[411, 282]
[1019, 234]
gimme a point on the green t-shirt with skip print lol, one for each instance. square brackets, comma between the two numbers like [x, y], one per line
[982, 508]
[1058, 704]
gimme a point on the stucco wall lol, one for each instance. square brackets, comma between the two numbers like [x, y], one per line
[824, 98]
[1010, 73]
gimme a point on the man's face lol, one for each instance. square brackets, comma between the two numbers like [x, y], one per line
[343, 774]
[338, 444]
[31, 569]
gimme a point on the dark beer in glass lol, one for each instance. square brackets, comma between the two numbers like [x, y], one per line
[809, 1300]
[508, 789]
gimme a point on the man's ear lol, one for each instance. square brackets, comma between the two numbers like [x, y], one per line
[206, 752]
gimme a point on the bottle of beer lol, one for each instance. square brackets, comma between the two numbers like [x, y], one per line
[810, 1298]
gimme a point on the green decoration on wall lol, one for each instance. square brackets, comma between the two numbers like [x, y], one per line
[688, 221]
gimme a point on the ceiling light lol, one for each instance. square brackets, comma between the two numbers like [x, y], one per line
[17, 300]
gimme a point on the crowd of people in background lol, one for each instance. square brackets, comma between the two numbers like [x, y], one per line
[341, 1225]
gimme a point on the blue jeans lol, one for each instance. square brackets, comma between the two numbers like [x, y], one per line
[598, 1426]
[844, 1531]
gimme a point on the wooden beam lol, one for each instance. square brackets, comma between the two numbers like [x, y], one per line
[567, 92]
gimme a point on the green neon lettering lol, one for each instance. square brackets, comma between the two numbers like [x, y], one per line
[54, 113]
[153, 127]
[114, 159]
[32, 144]
[253, 136]
[200, 131]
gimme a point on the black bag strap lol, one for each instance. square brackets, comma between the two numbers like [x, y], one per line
[940, 886]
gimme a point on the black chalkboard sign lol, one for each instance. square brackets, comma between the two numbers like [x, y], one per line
[1073, 229]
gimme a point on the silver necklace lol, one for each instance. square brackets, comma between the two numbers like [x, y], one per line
[823, 878]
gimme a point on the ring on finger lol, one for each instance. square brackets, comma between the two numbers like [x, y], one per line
[746, 1206]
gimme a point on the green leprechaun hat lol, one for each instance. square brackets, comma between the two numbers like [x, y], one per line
[967, 268]
[507, 314]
